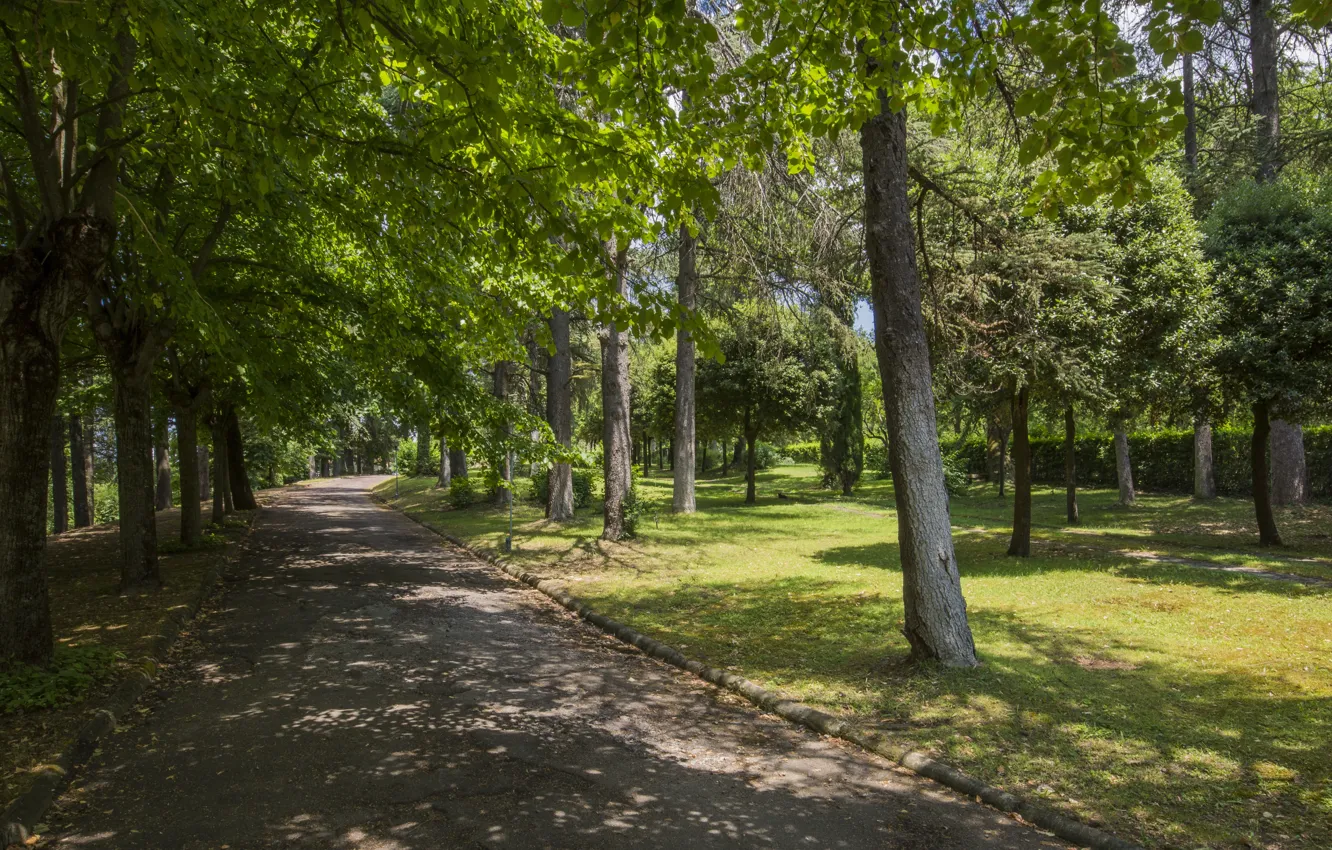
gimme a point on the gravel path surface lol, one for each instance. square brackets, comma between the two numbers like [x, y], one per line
[363, 686]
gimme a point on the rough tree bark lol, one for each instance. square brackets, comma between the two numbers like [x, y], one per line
[686, 286]
[238, 478]
[936, 614]
[187, 454]
[59, 490]
[1262, 497]
[81, 464]
[751, 459]
[135, 479]
[1124, 467]
[617, 444]
[1204, 476]
[1071, 465]
[162, 461]
[1019, 544]
[559, 415]
[1290, 472]
[205, 484]
[1263, 47]
[458, 462]
[445, 471]
[220, 487]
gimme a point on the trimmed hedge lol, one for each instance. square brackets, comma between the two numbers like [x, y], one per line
[808, 452]
[1162, 460]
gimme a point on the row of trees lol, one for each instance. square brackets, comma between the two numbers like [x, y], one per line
[277, 213]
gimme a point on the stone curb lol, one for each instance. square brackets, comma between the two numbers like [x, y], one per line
[23, 814]
[917, 762]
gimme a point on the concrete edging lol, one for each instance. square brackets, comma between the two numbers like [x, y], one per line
[23, 813]
[917, 762]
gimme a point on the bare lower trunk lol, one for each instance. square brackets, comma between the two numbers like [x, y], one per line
[220, 486]
[205, 483]
[1264, 47]
[686, 284]
[445, 471]
[81, 465]
[458, 463]
[1262, 498]
[1020, 543]
[504, 492]
[136, 485]
[1124, 468]
[1071, 465]
[936, 614]
[187, 454]
[162, 459]
[751, 461]
[559, 415]
[1204, 478]
[238, 478]
[1290, 472]
[617, 444]
[59, 490]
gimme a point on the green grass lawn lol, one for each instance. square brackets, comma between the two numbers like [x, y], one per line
[1175, 705]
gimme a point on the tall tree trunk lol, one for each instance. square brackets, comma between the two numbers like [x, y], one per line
[220, 488]
[559, 415]
[445, 471]
[238, 478]
[504, 493]
[162, 460]
[936, 614]
[423, 465]
[59, 473]
[81, 464]
[458, 462]
[751, 463]
[1263, 48]
[205, 484]
[1262, 497]
[617, 443]
[187, 458]
[1003, 461]
[1204, 478]
[726, 457]
[1290, 471]
[136, 481]
[1071, 465]
[683, 500]
[40, 287]
[739, 451]
[1190, 123]
[1124, 467]
[1020, 543]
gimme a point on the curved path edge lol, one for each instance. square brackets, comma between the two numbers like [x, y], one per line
[915, 761]
[21, 817]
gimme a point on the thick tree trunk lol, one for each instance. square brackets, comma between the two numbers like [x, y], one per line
[221, 490]
[751, 463]
[205, 484]
[504, 492]
[458, 463]
[81, 465]
[683, 500]
[1262, 497]
[445, 471]
[1124, 468]
[1190, 122]
[559, 415]
[739, 453]
[162, 460]
[1290, 471]
[238, 478]
[1263, 48]
[187, 457]
[423, 465]
[936, 614]
[1071, 465]
[617, 443]
[1204, 477]
[136, 484]
[1020, 543]
[59, 490]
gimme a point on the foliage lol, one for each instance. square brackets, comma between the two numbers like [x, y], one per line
[582, 486]
[73, 671]
[639, 504]
[462, 492]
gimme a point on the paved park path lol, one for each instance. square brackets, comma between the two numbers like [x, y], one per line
[363, 686]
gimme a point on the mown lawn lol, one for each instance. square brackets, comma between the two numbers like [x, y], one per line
[1177, 706]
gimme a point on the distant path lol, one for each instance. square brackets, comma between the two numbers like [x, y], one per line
[366, 688]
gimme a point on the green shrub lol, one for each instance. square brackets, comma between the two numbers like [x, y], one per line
[582, 487]
[405, 463]
[806, 452]
[74, 670]
[956, 477]
[461, 492]
[637, 507]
